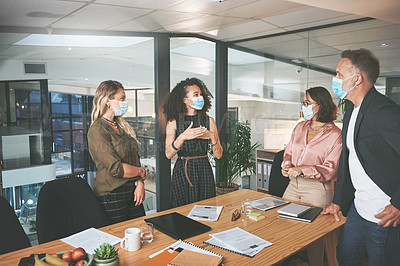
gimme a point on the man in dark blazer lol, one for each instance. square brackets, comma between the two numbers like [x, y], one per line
[368, 185]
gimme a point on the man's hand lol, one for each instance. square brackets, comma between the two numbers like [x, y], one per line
[390, 216]
[332, 209]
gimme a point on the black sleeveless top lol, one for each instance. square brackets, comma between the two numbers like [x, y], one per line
[193, 147]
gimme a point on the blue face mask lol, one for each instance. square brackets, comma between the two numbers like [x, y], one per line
[198, 103]
[123, 107]
[308, 112]
[337, 87]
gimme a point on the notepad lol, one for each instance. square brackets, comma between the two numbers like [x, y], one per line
[294, 209]
[177, 225]
[193, 258]
[255, 216]
[308, 216]
[183, 245]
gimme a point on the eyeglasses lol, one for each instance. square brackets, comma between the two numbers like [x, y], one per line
[307, 103]
[235, 215]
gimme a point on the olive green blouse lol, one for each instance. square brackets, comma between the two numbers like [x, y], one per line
[109, 150]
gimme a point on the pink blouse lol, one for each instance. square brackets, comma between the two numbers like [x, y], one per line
[319, 158]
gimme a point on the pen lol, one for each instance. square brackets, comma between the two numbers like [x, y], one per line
[199, 216]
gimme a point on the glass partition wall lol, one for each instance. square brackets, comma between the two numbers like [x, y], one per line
[267, 77]
[193, 57]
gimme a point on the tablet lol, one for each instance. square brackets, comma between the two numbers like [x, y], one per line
[177, 225]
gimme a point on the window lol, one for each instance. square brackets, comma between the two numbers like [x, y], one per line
[69, 129]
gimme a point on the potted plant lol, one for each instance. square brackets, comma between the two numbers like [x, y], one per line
[343, 105]
[106, 255]
[238, 156]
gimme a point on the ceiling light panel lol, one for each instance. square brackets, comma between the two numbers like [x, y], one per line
[99, 17]
[80, 40]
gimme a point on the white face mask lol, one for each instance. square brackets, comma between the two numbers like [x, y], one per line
[337, 87]
[308, 112]
[197, 102]
[123, 107]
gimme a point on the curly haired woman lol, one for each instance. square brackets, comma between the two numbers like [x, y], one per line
[189, 131]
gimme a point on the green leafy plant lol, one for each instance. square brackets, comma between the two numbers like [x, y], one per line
[238, 154]
[343, 105]
[105, 251]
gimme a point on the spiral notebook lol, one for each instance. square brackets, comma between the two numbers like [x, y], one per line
[183, 245]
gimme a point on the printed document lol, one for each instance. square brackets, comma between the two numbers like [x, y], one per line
[90, 239]
[241, 241]
[205, 213]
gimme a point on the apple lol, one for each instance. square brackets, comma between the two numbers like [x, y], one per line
[67, 256]
[56, 255]
[78, 254]
[81, 263]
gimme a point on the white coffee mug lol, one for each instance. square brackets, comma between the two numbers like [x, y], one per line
[132, 240]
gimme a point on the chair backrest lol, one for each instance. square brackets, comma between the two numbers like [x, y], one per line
[12, 235]
[277, 182]
[65, 207]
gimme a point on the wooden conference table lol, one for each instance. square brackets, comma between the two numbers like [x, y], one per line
[288, 236]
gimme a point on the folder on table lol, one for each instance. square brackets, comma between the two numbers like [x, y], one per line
[193, 258]
[161, 259]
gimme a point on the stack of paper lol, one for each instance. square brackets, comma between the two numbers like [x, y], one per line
[238, 241]
[256, 216]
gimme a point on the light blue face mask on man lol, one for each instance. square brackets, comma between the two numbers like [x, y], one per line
[198, 103]
[123, 107]
[308, 112]
[337, 87]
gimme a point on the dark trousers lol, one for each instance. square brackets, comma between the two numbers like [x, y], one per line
[119, 205]
[361, 236]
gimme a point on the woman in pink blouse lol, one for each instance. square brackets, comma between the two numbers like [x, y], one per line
[312, 155]
[311, 161]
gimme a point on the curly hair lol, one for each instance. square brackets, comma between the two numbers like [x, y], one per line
[174, 106]
[327, 108]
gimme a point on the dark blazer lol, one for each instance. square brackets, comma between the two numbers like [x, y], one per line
[377, 144]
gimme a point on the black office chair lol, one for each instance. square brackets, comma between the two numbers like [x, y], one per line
[12, 236]
[65, 207]
[277, 182]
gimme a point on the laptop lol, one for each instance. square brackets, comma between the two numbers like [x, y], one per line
[177, 225]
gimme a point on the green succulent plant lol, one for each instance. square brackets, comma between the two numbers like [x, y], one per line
[105, 251]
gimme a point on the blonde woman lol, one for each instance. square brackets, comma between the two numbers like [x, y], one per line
[114, 150]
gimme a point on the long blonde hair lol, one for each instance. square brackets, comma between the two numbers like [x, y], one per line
[106, 90]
